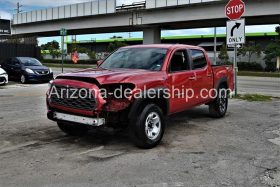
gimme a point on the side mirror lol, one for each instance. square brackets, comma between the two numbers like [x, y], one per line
[99, 62]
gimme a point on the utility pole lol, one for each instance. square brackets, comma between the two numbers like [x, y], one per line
[215, 45]
[18, 8]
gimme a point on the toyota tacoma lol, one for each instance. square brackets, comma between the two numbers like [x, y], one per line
[137, 87]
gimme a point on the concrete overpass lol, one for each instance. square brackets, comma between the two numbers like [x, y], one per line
[152, 16]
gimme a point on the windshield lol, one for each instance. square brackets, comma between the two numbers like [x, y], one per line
[30, 62]
[136, 58]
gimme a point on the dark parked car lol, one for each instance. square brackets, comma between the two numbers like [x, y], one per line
[26, 69]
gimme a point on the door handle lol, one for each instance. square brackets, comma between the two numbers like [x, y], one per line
[209, 75]
[192, 78]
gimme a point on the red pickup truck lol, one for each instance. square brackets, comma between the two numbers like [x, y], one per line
[137, 87]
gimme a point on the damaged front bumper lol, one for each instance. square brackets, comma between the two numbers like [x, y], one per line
[58, 116]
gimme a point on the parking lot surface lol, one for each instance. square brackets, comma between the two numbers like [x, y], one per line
[242, 149]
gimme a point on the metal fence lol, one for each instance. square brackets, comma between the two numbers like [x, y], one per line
[166, 3]
[8, 50]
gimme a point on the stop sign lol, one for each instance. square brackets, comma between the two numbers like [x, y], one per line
[235, 9]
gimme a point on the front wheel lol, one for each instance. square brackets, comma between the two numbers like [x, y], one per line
[23, 79]
[147, 129]
[72, 130]
[218, 107]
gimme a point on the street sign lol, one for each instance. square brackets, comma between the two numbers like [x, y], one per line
[63, 32]
[5, 27]
[236, 32]
[235, 9]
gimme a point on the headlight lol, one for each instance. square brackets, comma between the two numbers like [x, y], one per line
[29, 71]
[50, 84]
[50, 70]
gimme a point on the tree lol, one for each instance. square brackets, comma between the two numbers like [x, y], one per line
[53, 44]
[92, 55]
[115, 45]
[277, 29]
[249, 50]
[272, 53]
[223, 56]
[75, 47]
[53, 48]
[116, 37]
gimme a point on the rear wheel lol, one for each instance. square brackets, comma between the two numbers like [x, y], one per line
[147, 129]
[72, 130]
[218, 108]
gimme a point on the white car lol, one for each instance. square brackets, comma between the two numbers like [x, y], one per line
[3, 77]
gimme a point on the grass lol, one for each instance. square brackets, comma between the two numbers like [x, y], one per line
[259, 74]
[69, 65]
[254, 97]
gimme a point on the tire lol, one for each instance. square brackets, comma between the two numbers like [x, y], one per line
[218, 107]
[23, 79]
[145, 132]
[72, 130]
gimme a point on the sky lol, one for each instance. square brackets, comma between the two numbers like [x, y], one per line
[7, 8]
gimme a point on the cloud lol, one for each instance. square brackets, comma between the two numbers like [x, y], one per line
[29, 5]
[52, 3]
[5, 15]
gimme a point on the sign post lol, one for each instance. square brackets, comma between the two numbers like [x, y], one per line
[235, 30]
[63, 33]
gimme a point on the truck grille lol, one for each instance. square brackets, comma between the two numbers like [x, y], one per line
[72, 99]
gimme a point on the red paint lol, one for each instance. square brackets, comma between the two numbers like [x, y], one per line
[235, 9]
[207, 77]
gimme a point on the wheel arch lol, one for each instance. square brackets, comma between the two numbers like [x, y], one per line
[143, 100]
[222, 82]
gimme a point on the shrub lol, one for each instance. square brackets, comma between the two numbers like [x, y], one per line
[249, 49]
[223, 56]
[249, 66]
[272, 51]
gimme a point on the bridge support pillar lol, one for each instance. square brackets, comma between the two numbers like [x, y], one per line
[152, 35]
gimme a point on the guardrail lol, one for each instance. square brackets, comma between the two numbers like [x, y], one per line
[165, 3]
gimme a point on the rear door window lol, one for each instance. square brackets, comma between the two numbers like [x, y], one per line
[198, 59]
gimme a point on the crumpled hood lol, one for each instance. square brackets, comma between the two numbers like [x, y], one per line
[2, 71]
[103, 76]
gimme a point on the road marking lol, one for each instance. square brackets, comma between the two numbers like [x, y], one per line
[4, 144]
[19, 146]
[89, 151]
[105, 154]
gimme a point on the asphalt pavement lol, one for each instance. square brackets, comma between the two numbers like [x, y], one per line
[241, 149]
